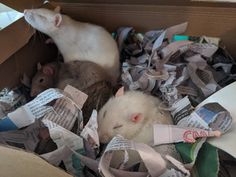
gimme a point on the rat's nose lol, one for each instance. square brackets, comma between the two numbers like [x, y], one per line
[25, 11]
[34, 93]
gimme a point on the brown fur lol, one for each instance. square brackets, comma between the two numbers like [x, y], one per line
[83, 75]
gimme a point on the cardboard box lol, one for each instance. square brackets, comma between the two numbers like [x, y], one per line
[16, 162]
[21, 48]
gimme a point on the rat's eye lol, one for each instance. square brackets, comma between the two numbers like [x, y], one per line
[41, 80]
[104, 114]
[117, 126]
[41, 16]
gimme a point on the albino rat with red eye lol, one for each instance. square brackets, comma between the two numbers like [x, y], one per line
[77, 40]
[83, 75]
[132, 115]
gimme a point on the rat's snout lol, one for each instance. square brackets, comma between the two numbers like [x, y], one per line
[34, 92]
[26, 11]
[28, 14]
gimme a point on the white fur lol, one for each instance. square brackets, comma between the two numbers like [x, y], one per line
[77, 40]
[119, 110]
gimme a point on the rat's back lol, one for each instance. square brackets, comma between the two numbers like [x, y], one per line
[91, 43]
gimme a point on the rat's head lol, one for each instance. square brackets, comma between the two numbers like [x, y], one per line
[44, 20]
[123, 114]
[43, 79]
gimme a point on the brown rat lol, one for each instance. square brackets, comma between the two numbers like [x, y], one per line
[77, 40]
[83, 75]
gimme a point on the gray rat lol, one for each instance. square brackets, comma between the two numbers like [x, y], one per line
[77, 40]
[132, 114]
[83, 75]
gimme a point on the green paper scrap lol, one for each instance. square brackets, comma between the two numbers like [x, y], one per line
[190, 151]
[185, 151]
[201, 156]
[184, 37]
[180, 38]
[77, 164]
[207, 163]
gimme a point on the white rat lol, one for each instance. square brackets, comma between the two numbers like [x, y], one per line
[77, 40]
[132, 115]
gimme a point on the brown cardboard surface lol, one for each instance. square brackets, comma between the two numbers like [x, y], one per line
[25, 60]
[20, 5]
[13, 38]
[204, 3]
[211, 21]
[16, 162]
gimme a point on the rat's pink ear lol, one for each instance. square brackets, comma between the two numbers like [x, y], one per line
[57, 20]
[120, 92]
[48, 70]
[57, 9]
[136, 117]
[39, 66]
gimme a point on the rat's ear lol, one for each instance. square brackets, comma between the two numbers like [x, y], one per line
[48, 70]
[120, 92]
[57, 20]
[57, 9]
[39, 66]
[136, 117]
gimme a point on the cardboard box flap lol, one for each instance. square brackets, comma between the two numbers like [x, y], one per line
[22, 4]
[14, 37]
[16, 162]
[17, 34]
